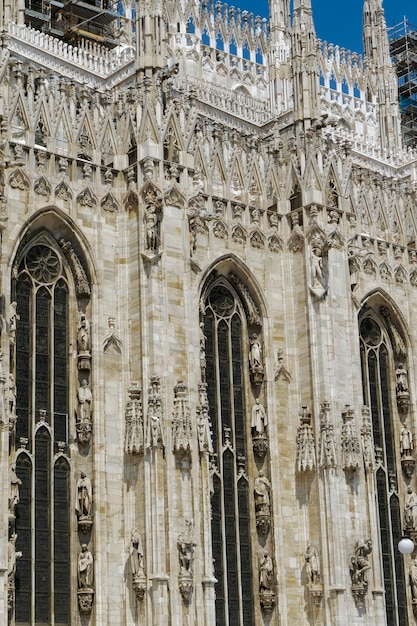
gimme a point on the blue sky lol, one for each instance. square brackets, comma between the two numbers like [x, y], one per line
[341, 22]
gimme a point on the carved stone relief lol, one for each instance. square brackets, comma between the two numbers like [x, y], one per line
[349, 441]
[306, 447]
[155, 434]
[134, 439]
[181, 421]
[327, 455]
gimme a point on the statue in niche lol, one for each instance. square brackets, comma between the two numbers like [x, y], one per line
[401, 376]
[12, 555]
[83, 335]
[255, 359]
[85, 568]
[13, 319]
[186, 545]
[413, 580]
[262, 490]
[317, 268]
[255, 353]
[84, 499]
[10, 396]
[152, 210]
[84, 397]
[406, 442]
[266, 573]
[259, 417]
[136, 555]
[410, 515]
[360, 564]
[15, 483]
[312, 565]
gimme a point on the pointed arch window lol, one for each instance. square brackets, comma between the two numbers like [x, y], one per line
[378, 374]
[224, 328]
[42, 581]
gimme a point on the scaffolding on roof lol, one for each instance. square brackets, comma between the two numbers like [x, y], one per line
[403, 47]
[74, 20]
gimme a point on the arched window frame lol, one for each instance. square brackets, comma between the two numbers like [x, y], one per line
[378, 364]
[245, 468]
[49, 578]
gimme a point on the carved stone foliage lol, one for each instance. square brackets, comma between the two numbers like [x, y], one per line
[252, 312]
[314, 584]
[82, 285]
[134, 439]
[359, 567]
[136, 565]
[186, 544]
[266, 583]
[181, 420]
[42, 187]
[109, 203]
[327, 455]
[63, 191]
[306, 447]
[368, 451]
[87, 198]
[262, 490]
[154, 433]
[203, 421]
[18, 180]
[349, 441]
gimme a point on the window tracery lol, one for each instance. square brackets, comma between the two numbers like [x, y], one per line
[378, 380]
[226, 346]
[42, 290]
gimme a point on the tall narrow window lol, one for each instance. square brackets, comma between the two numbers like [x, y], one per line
[224, 327]
[42, 515]
[378, 372]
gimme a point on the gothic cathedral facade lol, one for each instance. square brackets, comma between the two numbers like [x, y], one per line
[208, 319]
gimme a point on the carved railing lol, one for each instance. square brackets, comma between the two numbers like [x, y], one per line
[91, 57]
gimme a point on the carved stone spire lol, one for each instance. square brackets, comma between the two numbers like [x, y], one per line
[151, 36]
[377, 51]
[279, 51]
[305, 65]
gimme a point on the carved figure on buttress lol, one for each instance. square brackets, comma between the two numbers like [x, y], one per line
[259, 417]
[83, 334]
[85, 398]
[266, 573]
[84, 499]
[136, 554]
[312, 565]
[85, 568]
[406, 442]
